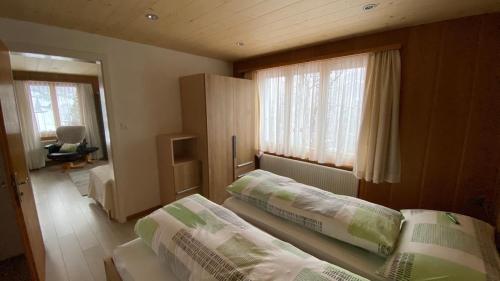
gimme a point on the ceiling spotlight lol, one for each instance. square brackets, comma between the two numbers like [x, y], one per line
[150, 16]
[240, 44]
[369, 7]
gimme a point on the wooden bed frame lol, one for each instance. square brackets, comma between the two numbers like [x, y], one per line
[110, 268]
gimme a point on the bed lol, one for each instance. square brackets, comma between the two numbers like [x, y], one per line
[101, 187]
[352, 258]
[196, 239]
[134, 261]
[413, 244]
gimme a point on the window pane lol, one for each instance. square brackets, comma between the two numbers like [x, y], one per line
[313, 110]
[68, 105]
[345, 99]
[42, 106]
[273, 94]
[304, 107]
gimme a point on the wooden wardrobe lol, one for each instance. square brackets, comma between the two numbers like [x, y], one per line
[221, 111]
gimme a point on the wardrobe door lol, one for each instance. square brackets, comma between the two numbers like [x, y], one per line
[219, 101]
[194, 119]
[245, 126]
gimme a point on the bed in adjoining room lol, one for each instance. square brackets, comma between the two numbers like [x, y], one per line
[102, 187]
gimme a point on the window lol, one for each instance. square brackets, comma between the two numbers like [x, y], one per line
[313, 110]
[54, 105]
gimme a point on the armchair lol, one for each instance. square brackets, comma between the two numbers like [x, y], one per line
[69, 135]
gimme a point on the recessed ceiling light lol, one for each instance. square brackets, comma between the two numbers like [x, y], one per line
[240, 44]
[369, 7]
[150, 16]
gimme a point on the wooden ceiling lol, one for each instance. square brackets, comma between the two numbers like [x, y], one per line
[40, 63]
[213, 27]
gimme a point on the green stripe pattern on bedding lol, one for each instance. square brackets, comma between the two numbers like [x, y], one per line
[436, 245]
[200, 240]
[352, 220]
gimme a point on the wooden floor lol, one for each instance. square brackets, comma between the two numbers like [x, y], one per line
[77, 233]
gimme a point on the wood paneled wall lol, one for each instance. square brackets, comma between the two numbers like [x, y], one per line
[449, 112]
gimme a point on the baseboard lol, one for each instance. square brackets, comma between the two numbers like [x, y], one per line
[142, 213]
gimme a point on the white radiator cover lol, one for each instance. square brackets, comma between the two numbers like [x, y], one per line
[330, 179]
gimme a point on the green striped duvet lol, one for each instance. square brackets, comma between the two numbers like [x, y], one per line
[352, 220]
[201, 240]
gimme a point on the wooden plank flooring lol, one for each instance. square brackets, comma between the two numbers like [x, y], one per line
[77, 233]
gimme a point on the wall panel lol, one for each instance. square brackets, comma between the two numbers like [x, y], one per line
[450, 107]
[479, 178]
[420, 63]
[449, 126]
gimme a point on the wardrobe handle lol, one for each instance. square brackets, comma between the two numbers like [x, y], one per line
[187, 190]
[233, 140]
[242, 175]
[244, 164]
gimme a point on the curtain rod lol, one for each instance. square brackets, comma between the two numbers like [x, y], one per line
[321, 57]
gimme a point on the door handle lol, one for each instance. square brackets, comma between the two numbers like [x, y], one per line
[17, 184]
[23, 182]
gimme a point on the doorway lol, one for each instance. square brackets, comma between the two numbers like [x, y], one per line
[61, 105]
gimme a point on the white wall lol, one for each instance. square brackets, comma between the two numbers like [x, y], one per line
[142, 96]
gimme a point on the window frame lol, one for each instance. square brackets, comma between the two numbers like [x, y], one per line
[52, 85]
[287, 75]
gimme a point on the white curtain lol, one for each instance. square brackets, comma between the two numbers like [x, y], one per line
[89, 118]
[313, 110]
[35, 153]
[377, 157]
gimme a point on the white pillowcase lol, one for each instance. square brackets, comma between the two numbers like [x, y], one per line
[352, 220]
[436, 245]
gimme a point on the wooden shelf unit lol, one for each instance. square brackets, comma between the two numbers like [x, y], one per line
[179, 166]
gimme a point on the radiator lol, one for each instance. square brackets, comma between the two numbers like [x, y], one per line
[327, 178]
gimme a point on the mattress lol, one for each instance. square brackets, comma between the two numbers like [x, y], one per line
[349, 257]
[135, 261]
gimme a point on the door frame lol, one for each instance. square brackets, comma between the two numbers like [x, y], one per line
[104, 90]
[12, 189]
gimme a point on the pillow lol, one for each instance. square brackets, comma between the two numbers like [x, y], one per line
[433, 247]
[69, 147]
[352, 220]
[200, 240]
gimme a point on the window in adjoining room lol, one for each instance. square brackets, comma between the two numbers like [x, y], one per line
[54, 105]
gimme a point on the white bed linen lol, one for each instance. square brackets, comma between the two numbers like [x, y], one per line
[135, 261]
[349, 257]
[101, 187]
